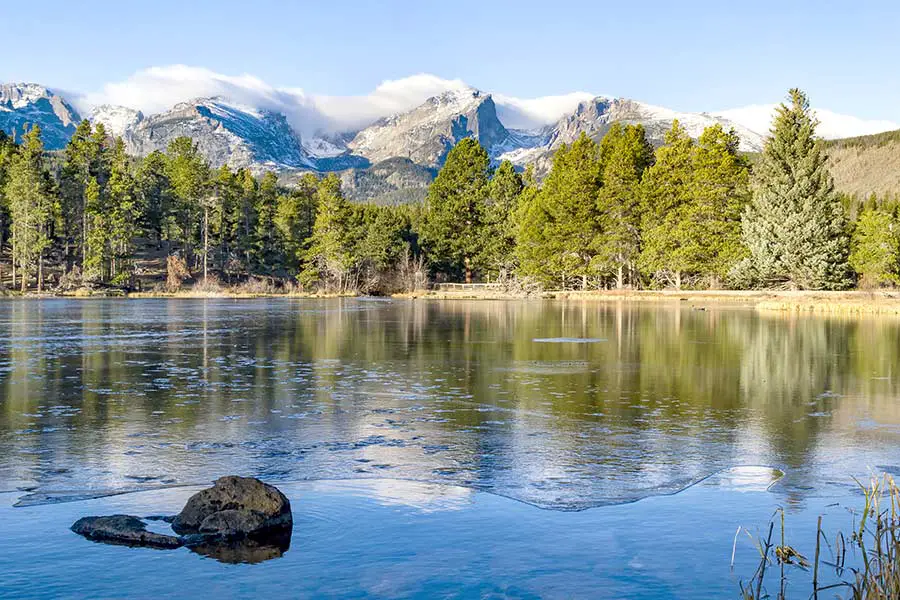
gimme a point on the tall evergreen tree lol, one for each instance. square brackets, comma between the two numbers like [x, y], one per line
[561, 224]
[266, 233]
[295, 217]
[154, 196]
[7, 149]
[188, 174]
[123, 213]
[96, 236]
[330, 260]
[666, 191]
[875, 251]
[710, 228]
[503, 193]
[794, 226]
[453, 229]
[625, 154]
[30, 203]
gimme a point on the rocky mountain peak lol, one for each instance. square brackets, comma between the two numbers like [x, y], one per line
[26, 104]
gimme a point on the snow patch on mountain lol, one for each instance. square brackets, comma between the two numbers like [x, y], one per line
[118, 120]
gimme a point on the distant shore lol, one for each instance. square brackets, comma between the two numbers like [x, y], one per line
[849, 302]
[820, 302]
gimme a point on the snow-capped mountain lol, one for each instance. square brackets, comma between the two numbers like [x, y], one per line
[116, 119]
[596, 116]
[25, 104]
[427, 133]
[226, 134]
[391, 154]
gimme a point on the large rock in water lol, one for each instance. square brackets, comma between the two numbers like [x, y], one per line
[125, 530]
[235, 507]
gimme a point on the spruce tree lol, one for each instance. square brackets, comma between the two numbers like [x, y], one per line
[453, 229]
[794, 227]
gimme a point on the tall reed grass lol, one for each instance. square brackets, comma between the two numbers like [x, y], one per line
[865, 563]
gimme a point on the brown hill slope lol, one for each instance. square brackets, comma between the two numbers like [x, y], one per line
[867, 164]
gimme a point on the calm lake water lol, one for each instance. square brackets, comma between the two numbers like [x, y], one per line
[457, 449]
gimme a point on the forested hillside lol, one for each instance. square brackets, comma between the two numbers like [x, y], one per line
[612, 213]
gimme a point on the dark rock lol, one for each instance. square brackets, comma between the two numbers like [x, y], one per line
[235, 507]
[125, 530]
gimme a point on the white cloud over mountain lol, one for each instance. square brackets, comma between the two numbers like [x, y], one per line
[159, 88]
[832, 125]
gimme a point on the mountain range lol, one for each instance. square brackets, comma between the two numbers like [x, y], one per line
[387, 156]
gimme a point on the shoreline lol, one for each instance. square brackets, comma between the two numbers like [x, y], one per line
[818, 302]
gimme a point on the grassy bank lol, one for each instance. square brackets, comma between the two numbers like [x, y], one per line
[846, 303]
[853, 302]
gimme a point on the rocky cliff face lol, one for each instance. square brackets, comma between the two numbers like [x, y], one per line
[426, 134]
[26, 104]
[226, 134]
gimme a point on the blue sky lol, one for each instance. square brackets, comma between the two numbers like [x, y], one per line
[690, 55]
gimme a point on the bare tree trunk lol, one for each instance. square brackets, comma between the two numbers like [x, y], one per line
[468, 269]
[620, 277]
[677, 280]
[205, 241]
[13, 259]
[40, 277]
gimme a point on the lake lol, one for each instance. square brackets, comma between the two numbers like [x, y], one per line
[508, 449]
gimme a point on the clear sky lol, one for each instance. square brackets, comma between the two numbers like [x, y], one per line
[688, 55]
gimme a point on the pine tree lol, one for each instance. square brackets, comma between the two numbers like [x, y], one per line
[96, 240]
[666, 191]
[453, 229]
[188, 174]
[295, 217]
[154, 197]
[710, 228]
[267, 249]
[561, 224]
[329, 260]
[123, 213]
[245, 217]
[30, 203]
[498, 254]
[794, 226]
[7, 149]
[624, 155]
[875, 251]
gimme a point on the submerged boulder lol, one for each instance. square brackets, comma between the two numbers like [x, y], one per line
[235, 507]
[125, 530]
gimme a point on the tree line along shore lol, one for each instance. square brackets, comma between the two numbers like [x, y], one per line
[610, 215]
